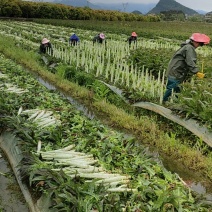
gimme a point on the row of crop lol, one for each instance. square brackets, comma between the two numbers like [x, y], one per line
[194, 101]
[31, 61]
[156, 188]
[35, 32]
[94, 59]
[172, 31]
[60, 35]
[111, 64]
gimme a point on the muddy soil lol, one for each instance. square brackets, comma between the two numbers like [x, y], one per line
[11, 198]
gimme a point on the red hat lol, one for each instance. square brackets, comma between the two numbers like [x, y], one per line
[45, 40]
[200, 38]
[134, 34]
[102, 36]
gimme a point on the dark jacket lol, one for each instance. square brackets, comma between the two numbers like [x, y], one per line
[183, 66]
[97, 39]
[44, 47]
[74, 39]
[132, 39]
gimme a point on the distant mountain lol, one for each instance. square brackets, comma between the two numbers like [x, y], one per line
[128, 7]
[201, 12]
[137, 12]
[122, 7]
[76, 3]
[166, 5]
[162, 5]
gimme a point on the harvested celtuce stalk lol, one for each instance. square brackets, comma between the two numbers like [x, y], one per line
[42, 118]
[90, 169]
[67, 148]
[3, 75]
[118, 189]
[112, 179]
[79, 164]
[116, 183]
[20, 110]
[13, 89]
[30, 112]
[33, 115]
[39, 146]
[39, 116]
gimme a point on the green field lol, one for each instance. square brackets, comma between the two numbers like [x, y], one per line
[94, 75]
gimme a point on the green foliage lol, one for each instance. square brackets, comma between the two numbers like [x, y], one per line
[196, 18]
[78, 76]
[158, 60]
[69, 73]
[60, 70]
[195, 101]
[83, 78]
[10, 8]
[24, 9]
[138, 96]
[172, 15]
[100, 90]
[167, 5]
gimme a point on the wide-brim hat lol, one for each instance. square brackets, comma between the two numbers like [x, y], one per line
[44, 41]
[200, 38]
[102, 36]
[134, 34]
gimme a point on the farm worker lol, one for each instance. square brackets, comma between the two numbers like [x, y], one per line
[183, 66]
[45, 44]
[74, 40]
[132, 38]
[100, 38]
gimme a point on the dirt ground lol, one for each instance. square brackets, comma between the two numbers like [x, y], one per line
[11, 198]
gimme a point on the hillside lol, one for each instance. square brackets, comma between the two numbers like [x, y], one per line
[78, 3]
[149, 8]
[129, 7]
[166, 5]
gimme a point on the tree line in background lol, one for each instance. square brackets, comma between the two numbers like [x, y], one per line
[23, 9]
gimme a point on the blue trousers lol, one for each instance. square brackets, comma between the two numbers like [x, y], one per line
[172, 84]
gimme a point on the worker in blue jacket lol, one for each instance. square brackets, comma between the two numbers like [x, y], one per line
[74, 40]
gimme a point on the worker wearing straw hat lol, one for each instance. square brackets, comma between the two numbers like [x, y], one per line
[183, 66]
[100, 38]
[45, 45]
[132, 38]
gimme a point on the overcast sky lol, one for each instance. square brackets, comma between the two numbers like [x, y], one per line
[205, 5]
